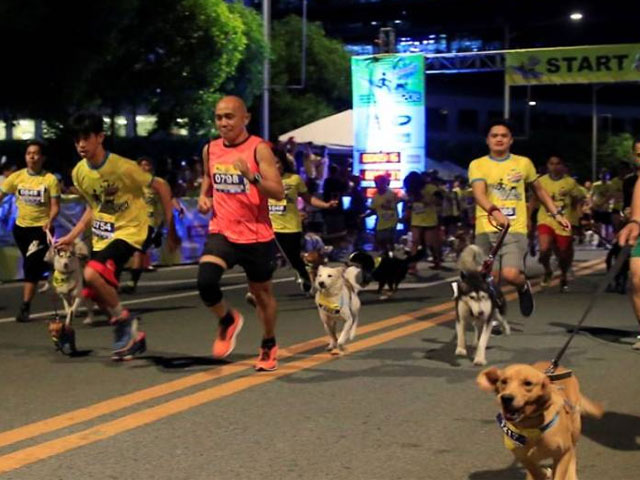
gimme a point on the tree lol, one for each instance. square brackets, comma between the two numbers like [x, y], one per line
[615, 151]
[327, 75]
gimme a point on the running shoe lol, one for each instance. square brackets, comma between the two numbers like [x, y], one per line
[526, 299]
[128, 287]
[546, 279]
[127, 340]
[636, 346]
[250, 299]
[496, 328]
[564, 285]
[23, 313]
[267, 360]
[225, 340]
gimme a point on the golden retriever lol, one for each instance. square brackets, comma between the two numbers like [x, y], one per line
[540, 418]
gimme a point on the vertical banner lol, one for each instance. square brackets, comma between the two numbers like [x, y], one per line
[388, 116]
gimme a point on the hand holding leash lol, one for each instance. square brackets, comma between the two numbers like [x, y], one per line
[629, 234]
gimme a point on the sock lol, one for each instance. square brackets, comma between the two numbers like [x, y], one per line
[227, 320]
[115, 311]
[268, 343]
[136, 273]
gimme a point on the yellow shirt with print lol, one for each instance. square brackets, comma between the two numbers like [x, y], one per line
[575, 211]
[564, 192]
[615, 190]
[423, 211]
[385, 206]
[506, 181]
[284, 214]
[114, 192]
[33, 195]
[155, 211]
[600, 196]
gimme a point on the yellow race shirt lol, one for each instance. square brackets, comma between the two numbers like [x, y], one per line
[575, 211]
[615, 190]
[33, 195]
[284, 214]
[385, 208]
[114, 192]
[600, 196]
[506, 180]
[423, 212]
[154, 206]
[564, 192]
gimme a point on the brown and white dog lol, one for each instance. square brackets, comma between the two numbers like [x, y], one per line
[540, 418]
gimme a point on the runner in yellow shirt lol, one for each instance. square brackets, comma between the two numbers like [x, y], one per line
[385, 206]
[286, 220]
[156, 227]
[424, 200]
[38, 199]
[564, 192]
[498, 181]
[601, 197]
[112, 186]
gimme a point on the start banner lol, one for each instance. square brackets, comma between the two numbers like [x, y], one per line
[553, 66]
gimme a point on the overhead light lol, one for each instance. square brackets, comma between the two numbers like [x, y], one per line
[576, 16]
[532, 103]
[374, 23]
[397, 21]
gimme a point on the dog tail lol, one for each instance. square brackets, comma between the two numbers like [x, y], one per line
[471, 259]
[590, 408]
[353, 275]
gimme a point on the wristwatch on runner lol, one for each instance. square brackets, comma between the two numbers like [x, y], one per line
[257, 178]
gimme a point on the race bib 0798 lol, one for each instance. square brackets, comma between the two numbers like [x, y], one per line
[226, 179]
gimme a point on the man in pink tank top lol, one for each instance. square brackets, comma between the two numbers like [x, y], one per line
[240, 175]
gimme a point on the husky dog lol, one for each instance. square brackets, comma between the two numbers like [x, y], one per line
[478, 302]
[67, 282]
[337, 299]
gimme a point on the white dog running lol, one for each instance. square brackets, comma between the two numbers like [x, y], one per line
[337, 298]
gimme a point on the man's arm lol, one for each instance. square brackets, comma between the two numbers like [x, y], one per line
[271, 182]
[479, 189]
[629, 234]
[547, 202]
[80, 227]
[53, 212]
[164, 192]
[205, 198]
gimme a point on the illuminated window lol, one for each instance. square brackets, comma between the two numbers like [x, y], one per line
[120, 128]
[24, 129]
[181, 127]
[145, 124]
[3, 130]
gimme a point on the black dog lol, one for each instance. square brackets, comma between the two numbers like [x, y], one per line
[391, 269]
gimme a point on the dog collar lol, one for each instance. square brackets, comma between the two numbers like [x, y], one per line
[518, 437]
[59, 279]
[328, 306]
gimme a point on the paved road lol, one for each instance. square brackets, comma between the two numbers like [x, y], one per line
[398, 406]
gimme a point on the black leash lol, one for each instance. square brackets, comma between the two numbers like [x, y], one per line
[623, 256]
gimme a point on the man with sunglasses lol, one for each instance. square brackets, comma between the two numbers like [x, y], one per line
[629, 234]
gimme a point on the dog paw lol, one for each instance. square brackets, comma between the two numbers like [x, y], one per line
[461, 352]
[479, 362]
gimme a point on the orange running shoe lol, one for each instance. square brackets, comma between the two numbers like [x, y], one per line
[267, 361]
[225, 340]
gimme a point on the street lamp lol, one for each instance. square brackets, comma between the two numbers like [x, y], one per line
[576, 16]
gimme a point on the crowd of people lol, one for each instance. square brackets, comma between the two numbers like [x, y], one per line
[268, 200]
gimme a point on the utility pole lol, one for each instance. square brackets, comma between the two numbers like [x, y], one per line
[266, 69]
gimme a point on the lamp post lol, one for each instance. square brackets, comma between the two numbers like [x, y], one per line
[266, 68]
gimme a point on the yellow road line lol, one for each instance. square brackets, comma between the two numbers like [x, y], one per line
[108, 429]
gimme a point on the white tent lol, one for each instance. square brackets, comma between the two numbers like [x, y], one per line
[336, 132]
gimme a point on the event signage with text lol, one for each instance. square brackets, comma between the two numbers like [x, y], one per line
[597, 64]
[388, 115]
